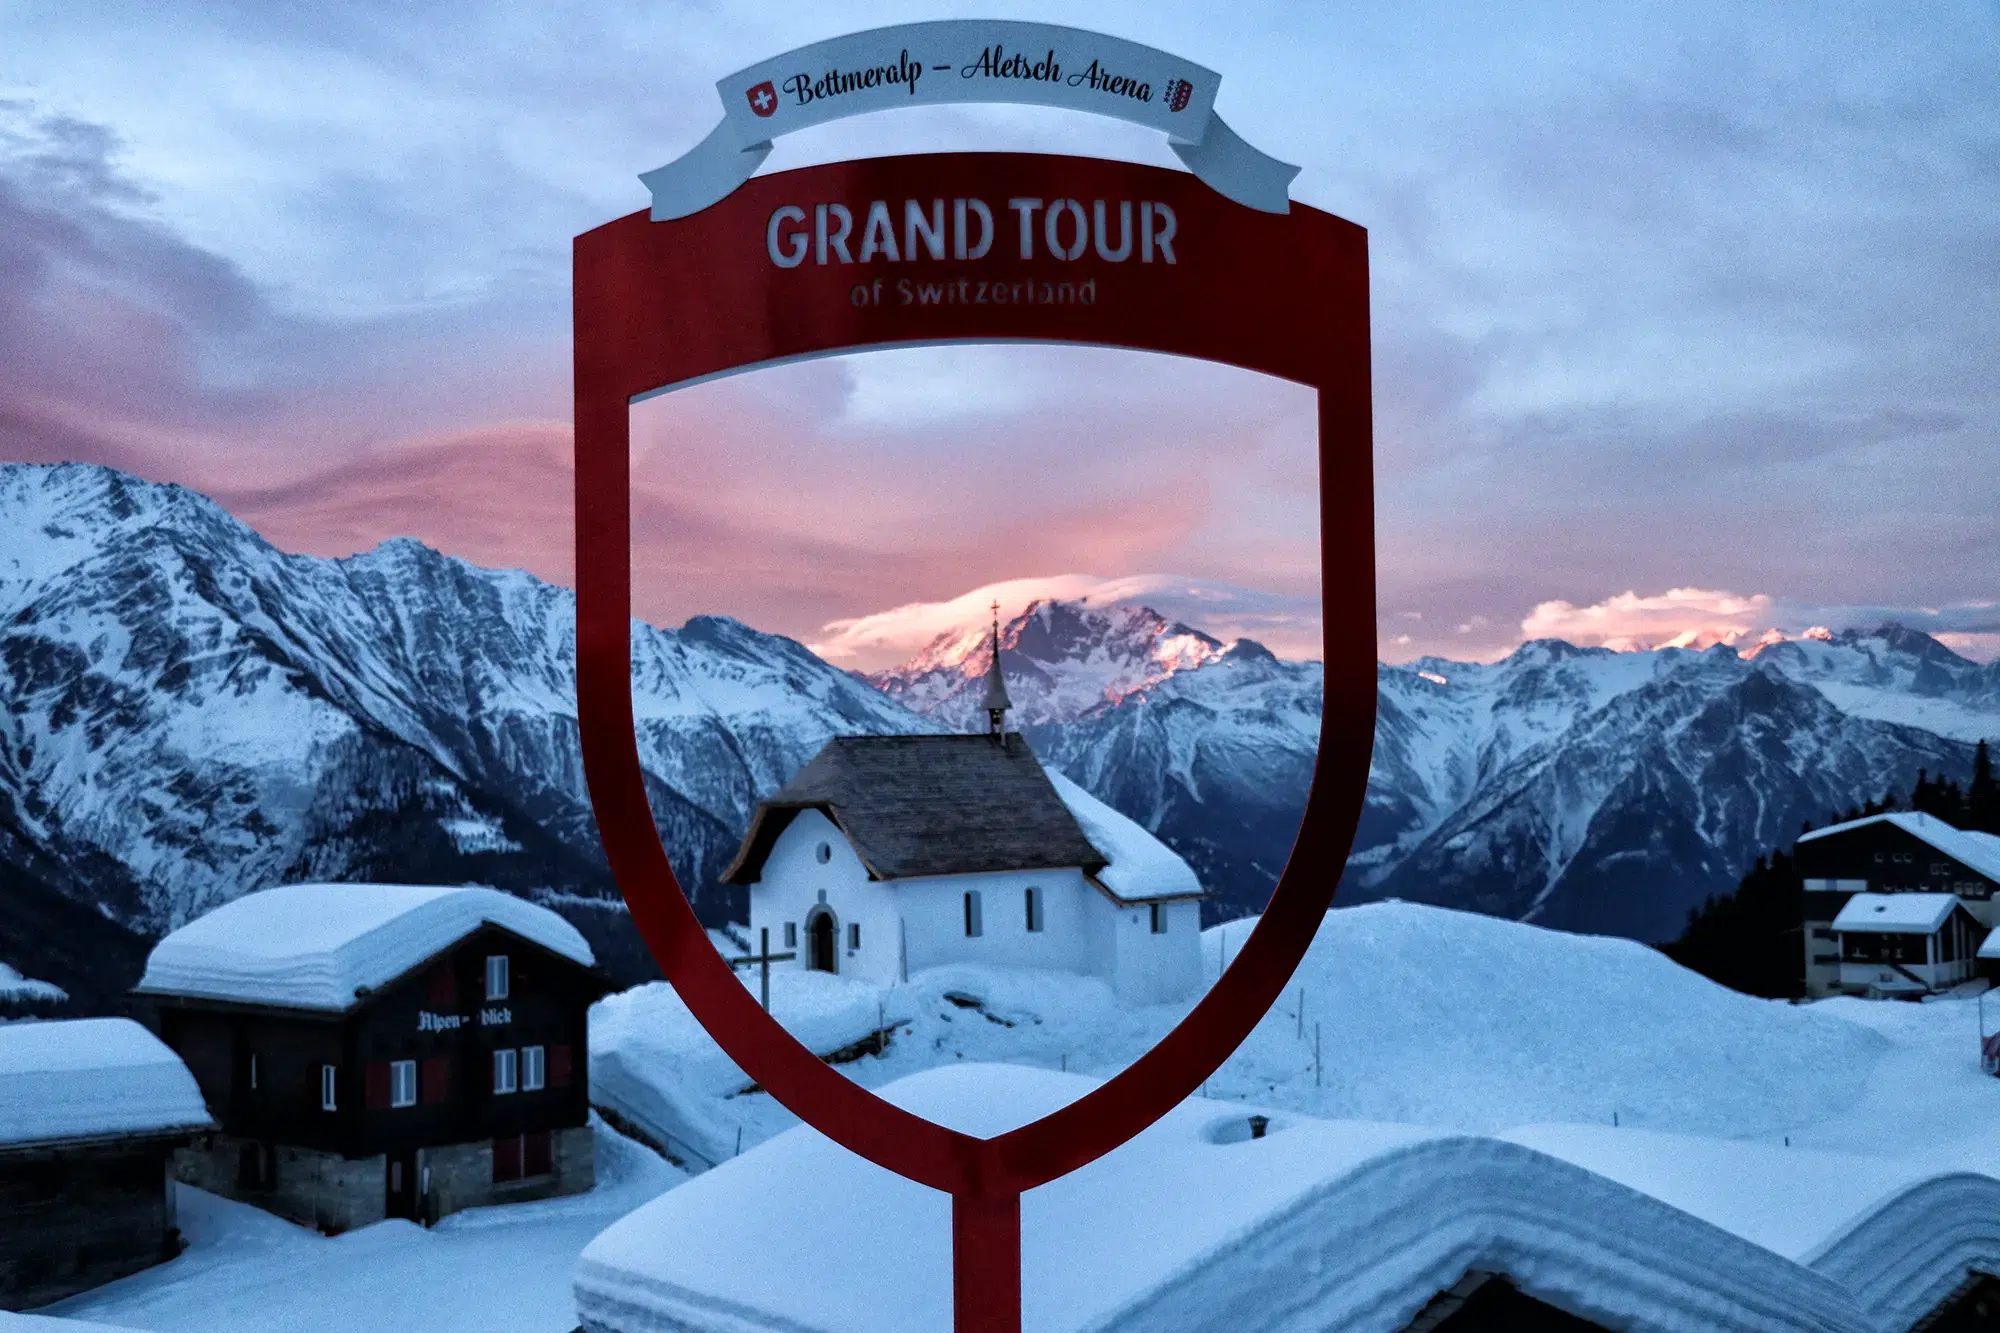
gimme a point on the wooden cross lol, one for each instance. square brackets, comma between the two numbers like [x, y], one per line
[763, 958]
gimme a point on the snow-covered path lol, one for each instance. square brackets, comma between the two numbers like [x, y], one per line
[490, 1270]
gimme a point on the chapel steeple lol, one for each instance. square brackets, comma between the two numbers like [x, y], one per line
[996, 703]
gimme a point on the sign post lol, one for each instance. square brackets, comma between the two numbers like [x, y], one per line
[969, 247]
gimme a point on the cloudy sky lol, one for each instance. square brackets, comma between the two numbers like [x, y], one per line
[1685, 316]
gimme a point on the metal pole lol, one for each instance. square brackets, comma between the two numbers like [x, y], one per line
[764, 965]
[1301, 1034]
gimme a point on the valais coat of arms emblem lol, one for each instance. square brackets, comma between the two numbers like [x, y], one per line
[763, 98]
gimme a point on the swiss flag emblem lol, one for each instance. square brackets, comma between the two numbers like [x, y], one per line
[763, 98]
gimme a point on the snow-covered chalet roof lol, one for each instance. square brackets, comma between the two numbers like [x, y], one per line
[88, 1078]
[1896, 913]
[1975, 851]
[1898, 1233]
[1189, 1226]
[314, 946]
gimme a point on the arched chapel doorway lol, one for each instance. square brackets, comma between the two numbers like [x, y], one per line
[819, 942]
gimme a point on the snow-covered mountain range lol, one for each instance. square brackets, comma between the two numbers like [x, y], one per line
[1579, 787]
[190, 713]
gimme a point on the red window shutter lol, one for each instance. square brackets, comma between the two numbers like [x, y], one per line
[435, 1079]
[535, 1156]
[558, 1070]
[442, 988]
[506, 1158]
[377, 1079]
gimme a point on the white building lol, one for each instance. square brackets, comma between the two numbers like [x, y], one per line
[887, 855]
[1895, 944]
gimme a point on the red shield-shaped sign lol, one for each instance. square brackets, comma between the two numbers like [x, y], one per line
[772, 273]
[763, 99]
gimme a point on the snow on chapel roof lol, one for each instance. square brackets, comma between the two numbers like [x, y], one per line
[86, 1078]
[1896, 913]
[1188, 1226]
[1138, 865]
[312, 946]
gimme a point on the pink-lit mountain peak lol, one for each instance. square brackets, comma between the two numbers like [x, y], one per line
[1062, 659]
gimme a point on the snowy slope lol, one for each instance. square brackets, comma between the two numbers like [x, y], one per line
[190, 713]
[1419, 1014]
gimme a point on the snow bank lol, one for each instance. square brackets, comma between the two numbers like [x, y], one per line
[312, 946]
[653, 1066]
[1895, 1232]
[1465, 1021]
[41, 1323]
[85, 1077]
[1189, 1226]
[1141, 866]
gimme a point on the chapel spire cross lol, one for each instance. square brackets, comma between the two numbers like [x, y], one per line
[996, 702]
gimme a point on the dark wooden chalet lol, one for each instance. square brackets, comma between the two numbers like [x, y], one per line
[91, 1110]
[1898, 852]
[416, 1051]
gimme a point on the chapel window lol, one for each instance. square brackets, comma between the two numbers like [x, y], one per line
[1033, 900]
[973, 925]
[1159, 918]
[824, 852]
[791, 934]
[854, 934]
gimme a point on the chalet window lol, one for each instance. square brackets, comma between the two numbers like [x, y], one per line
[496, 976]
[504, 1069]
[329, 1076]
[854, 934]
[559, 1066]
[402, 1083]
[532, 1069]
[973, 925]
[436, 1079]
[1033, 896]
[1159, 918]
[791, 934]
[522, 1156]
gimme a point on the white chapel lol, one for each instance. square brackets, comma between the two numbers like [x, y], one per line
[886, 855]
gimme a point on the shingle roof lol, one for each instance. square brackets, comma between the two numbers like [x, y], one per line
[927, 805]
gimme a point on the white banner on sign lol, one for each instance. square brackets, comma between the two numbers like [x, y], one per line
[968, 60]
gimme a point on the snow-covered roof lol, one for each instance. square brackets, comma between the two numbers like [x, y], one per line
[1138, 866]
[14, 986]
[314, 946]
[1975, 851]
[85, 1078]
[1187, 1226]
[1898, 1233]
[1896, 913]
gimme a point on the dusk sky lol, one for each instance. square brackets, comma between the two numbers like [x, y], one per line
[1686, 317]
